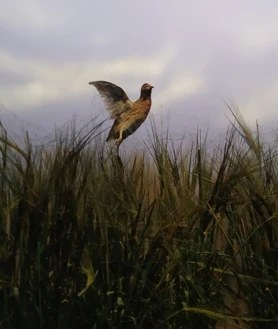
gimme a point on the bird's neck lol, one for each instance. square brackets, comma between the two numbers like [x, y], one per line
[145, 95]
[145, 98]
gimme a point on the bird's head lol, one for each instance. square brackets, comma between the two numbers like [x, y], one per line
[146, 90]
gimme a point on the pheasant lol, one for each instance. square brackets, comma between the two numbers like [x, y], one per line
[128, 115]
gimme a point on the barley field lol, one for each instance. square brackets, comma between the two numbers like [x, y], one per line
[173, 237]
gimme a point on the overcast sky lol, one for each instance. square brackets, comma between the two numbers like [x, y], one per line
[195, 53]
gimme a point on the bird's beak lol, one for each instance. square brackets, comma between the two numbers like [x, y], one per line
[152, 87]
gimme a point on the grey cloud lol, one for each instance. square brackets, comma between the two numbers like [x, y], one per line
[209, 40]
[9, 79]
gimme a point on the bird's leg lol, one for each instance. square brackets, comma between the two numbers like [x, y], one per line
[119, 141]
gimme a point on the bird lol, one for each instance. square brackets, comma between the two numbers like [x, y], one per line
[127, 115]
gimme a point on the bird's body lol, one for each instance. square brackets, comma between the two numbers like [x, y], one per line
[128, 115]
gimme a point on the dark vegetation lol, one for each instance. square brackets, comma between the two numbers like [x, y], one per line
[171, 238]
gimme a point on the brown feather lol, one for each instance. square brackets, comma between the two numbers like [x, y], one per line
[114, 97]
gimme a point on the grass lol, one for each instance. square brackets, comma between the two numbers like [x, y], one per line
[170, 238]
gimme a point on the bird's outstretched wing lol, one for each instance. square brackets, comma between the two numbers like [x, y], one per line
[114, 98]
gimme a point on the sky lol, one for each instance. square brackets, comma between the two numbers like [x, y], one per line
[195, 53]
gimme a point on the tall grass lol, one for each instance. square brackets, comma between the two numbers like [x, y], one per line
[169, 238]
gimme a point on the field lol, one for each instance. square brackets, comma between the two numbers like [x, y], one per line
[174, 237]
